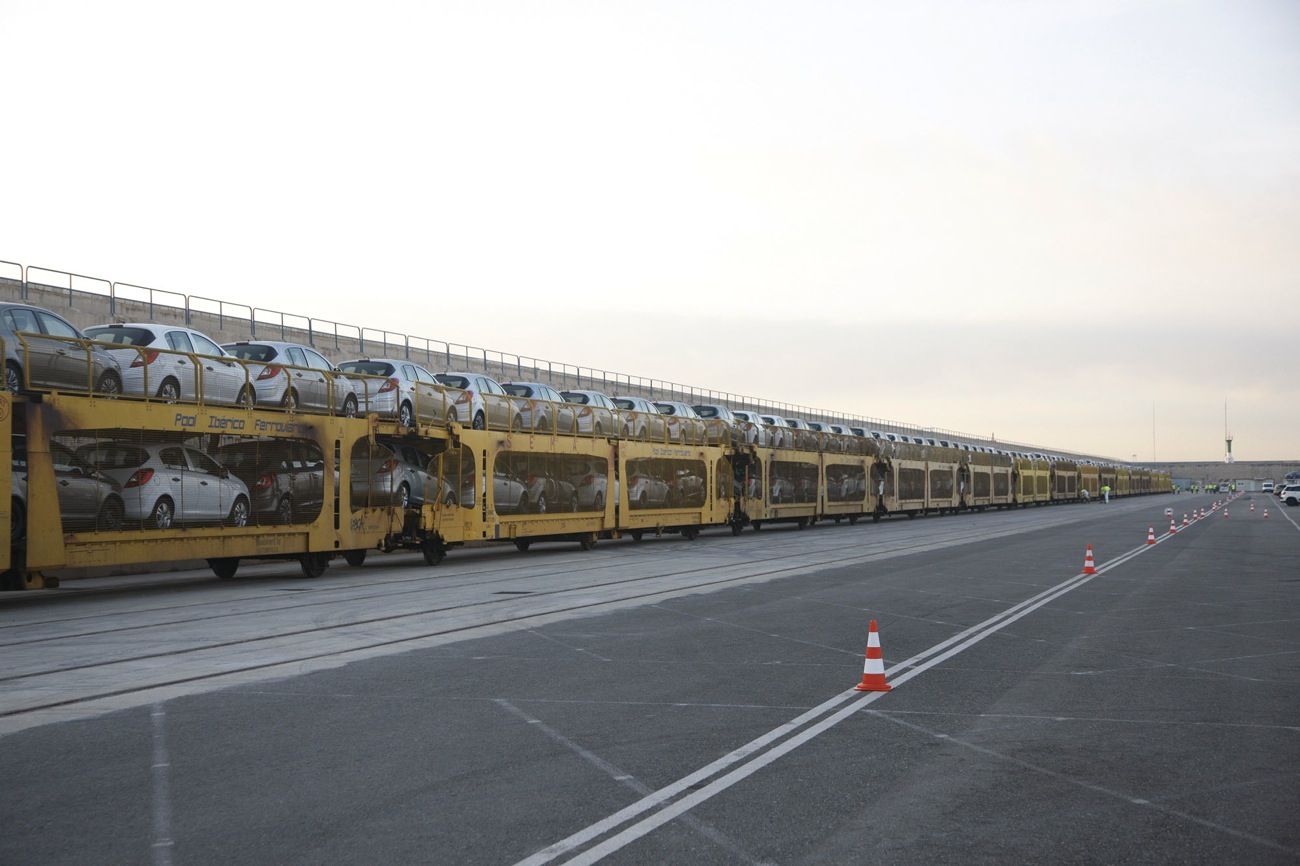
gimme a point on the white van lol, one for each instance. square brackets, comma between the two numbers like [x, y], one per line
[1268, 487]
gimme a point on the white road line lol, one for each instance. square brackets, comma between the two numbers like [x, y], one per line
[160, 771]
[1098, 789]
[918, 664]
[712, 834]
[1281, 505]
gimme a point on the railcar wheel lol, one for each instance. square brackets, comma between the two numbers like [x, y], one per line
[691, 533]
[433, 551]
[758, 524]
[587, 543]
[314, 564]
[522, 544]
[853, 519]
[224, 567]
[354, 558]
[636, 534]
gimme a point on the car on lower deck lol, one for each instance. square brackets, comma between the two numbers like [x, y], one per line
[166, 484]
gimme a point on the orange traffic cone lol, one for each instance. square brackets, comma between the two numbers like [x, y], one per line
[1225, 511]
[1252, 507]
[1089, 566]
[873, 670]
[1173, 527]
[1151, 535]
[1266, 512]
[1184, 519]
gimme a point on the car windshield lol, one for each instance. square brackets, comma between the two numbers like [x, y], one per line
[252, 351]
[515, 390]
[121, 336]
[112, 455]
[575, 397]
[367, 368]
[454, 381]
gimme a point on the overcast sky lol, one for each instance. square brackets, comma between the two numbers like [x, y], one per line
[1030, 219]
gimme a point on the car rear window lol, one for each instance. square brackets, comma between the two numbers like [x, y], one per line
[111, 455]
[121, 336]
[706, 411]
[624, 404]
[517, 390]
[574, 397]
[252, 352]
[367, 368]
[448, 379]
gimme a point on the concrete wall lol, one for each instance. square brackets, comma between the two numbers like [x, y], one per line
[1243, 470]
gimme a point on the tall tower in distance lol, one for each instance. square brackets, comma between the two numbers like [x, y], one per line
[1227, 437]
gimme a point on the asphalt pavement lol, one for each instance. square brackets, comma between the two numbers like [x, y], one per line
[1148, 713]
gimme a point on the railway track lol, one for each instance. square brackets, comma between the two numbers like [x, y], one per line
[44, 665]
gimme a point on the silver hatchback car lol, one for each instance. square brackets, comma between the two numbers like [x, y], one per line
[397, 388]
[167, 483]
[293, 376]
[46, 357]
[174, 363]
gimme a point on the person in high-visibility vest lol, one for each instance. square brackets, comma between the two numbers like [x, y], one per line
[1105, 493]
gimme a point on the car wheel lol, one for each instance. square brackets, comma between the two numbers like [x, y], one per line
[354, 558]
[17, 521]
[224, 567]
[479, 422]
[110, 515]
[406, 415]
[110, 384]
[163, 514]
[404, 495]
[517, 425]
[245, 398]
[350, 407]
[284, 511]
[13, 377]
[540, 505]
[600, 431]
[599, 504]
[169, 391]
[238, 513]
[290, 401]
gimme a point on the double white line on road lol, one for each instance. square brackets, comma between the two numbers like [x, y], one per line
[666, 804]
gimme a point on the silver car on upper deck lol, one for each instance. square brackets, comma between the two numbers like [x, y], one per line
[293, 376]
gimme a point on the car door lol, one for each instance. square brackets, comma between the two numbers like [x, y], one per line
[302, 380]
[205, 478]
[223, 376]
[181, 366]
[68, 365]
[565, 418]
[77, 488]
[433, 400]
[330, 397]
[181, 484]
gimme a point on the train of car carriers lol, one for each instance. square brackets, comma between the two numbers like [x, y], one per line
[126, 454]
